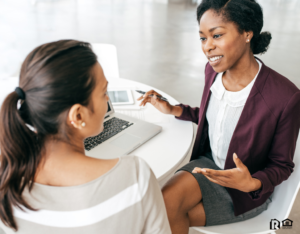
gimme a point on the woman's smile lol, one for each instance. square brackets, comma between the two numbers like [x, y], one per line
[215, 60]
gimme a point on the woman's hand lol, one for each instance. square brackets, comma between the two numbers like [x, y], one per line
[162, 106]
[237, 178]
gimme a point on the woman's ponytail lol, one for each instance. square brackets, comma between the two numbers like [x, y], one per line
[20, 156]
[261, 43]
[53, 77]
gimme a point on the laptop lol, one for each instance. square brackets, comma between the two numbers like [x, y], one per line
[121, 135]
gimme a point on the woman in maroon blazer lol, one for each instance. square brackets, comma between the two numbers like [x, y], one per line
[262, 146]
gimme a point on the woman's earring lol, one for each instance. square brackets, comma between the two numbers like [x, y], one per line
[247, 40]
[83, 124]
[72, 122]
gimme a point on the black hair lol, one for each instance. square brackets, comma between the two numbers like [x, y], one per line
[246, 14]
[54, 77]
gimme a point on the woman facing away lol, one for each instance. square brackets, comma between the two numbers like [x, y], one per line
[248, 123]
[47, 183]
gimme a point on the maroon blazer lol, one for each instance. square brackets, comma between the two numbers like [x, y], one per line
[264, 138]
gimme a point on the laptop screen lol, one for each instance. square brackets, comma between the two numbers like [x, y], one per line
[108, 108]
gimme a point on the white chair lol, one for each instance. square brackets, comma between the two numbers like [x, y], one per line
[279, 208]
[107, 57]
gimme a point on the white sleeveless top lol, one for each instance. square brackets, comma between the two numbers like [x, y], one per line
[223, 112]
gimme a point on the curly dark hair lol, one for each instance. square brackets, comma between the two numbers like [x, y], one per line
[246, 14]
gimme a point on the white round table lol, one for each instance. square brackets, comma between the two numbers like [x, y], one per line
[172, 146]
[166, 151]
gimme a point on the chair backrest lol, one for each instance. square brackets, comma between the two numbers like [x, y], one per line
[285, 193]
[107, 57]
[280, 207]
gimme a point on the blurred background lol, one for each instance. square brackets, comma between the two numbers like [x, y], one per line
[157, 41]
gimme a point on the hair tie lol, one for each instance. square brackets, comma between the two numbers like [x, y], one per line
[20, 92]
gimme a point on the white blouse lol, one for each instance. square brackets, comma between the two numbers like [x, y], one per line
[223, 112]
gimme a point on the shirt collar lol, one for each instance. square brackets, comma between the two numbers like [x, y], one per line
[234, 99]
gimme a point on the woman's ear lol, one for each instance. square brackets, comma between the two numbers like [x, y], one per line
[76, 116]
[248, 36]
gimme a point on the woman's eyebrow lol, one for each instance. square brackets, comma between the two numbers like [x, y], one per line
[212, 29]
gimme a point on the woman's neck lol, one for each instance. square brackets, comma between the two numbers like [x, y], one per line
[242, 72]
[57, 156]
[67, 165]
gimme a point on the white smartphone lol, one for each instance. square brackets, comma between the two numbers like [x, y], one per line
[120, 96]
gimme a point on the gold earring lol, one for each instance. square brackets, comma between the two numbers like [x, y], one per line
[83, 124]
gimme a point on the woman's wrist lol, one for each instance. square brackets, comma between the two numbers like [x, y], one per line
[176, 111]
[255, 185]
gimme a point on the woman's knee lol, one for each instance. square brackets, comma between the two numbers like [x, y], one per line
[197, 216]
[181, 193]
[172, 198]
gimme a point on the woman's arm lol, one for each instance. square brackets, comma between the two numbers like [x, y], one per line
[188, 113]
[281, 155]
[280, 158]
[183, 112]
[237, 178]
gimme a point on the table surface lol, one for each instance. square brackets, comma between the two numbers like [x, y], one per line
[164, 152]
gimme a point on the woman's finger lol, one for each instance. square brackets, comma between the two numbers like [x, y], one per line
[216, 181]
[217, 173]
[141, 97]
[218, 178]
[144, 102]
[155, 99]
[198, 170]
[148, 93]
[151, 92]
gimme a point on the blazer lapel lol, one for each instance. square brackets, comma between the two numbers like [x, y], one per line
[242, 133]
[202, 132]
[206, 97]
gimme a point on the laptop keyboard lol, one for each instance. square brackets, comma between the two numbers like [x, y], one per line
[111, 128]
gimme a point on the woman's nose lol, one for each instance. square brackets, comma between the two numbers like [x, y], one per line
[209, 45]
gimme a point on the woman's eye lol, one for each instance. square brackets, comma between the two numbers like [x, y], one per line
[202, 38]
[217, 36]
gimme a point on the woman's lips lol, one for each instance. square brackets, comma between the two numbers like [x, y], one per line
[215, 60]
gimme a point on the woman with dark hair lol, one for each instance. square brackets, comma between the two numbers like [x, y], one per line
[248, 123]
[47, 184]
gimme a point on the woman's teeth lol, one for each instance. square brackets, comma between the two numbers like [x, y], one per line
[213, 59]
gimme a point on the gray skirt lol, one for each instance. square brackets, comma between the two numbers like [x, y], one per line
[216, 200]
